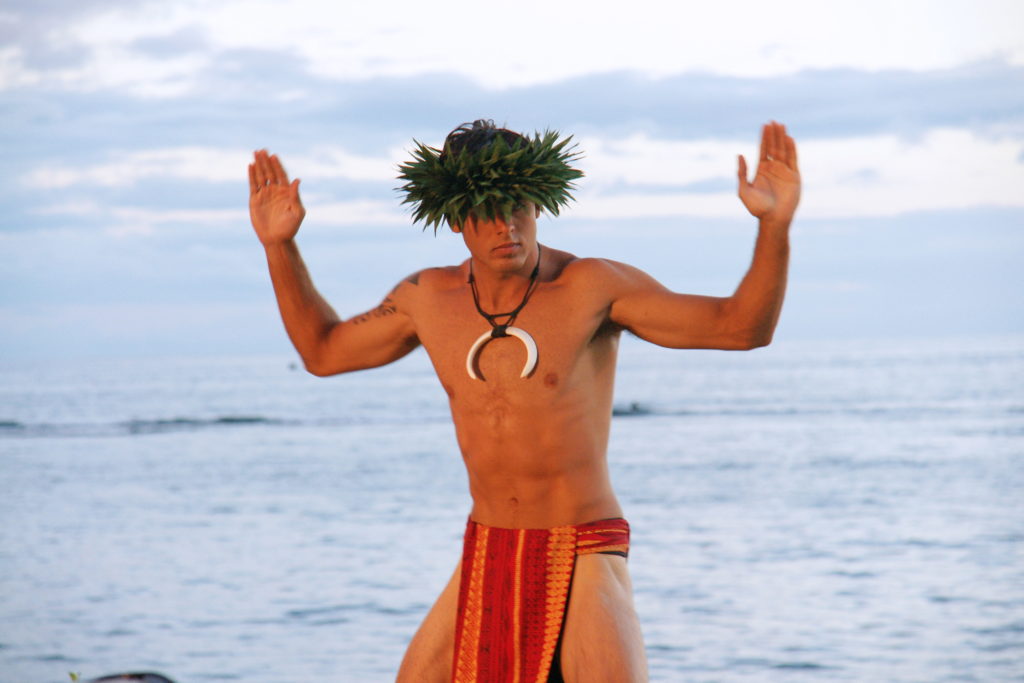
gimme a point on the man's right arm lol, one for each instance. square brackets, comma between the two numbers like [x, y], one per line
[326, 344]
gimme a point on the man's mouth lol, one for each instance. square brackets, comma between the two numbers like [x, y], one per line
[506, 247]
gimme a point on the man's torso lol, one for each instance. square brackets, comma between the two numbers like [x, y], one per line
[534, 447]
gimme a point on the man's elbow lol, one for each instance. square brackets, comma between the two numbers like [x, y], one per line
[320, 367]
[321, 358]
[762, 337]
[754, 339]
[317, 370]
[741, 330]
[759, 342]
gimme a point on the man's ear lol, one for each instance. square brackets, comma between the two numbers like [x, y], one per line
[455, 228]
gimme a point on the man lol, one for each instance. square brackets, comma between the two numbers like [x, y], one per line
[523, 338]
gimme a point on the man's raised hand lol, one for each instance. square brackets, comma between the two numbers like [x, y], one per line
[274, 205]
[775, 191]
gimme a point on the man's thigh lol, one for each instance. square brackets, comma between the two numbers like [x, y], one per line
[429, 656]
[602, 639]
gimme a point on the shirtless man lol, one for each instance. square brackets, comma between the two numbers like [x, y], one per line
[534, 446]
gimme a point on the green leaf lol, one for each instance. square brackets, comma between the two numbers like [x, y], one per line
[490, 181]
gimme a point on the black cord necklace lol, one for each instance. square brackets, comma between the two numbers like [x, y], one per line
[504, 329]
[501, 330]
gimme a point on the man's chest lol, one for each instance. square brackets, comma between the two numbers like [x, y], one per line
[550, 336]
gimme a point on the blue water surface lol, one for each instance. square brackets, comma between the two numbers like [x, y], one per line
[806, 512]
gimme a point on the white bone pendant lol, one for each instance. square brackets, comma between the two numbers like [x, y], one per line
[520, 334]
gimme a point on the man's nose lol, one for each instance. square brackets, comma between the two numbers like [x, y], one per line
[505, 225]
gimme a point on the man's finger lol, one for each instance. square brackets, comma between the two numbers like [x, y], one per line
[791, 153]
[774, 148]
[278, 176]
[765, 141]
[252, 178]
[742, 172]
[261, 167]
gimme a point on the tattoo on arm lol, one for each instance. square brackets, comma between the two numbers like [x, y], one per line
[386, 308]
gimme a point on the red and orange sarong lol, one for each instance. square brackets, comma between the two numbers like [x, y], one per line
[513, 594]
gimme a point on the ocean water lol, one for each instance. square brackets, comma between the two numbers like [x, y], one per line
[806, 512]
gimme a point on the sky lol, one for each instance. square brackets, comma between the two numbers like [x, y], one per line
[127, 127]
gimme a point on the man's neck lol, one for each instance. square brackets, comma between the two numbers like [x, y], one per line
[503, 290]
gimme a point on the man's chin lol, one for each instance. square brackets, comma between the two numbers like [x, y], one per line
[510, 263]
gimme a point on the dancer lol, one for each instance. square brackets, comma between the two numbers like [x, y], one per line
[523, 338]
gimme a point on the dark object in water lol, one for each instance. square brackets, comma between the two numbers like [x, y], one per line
[141, 677]
[634, 408]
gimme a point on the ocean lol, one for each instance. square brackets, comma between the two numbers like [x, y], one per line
[813, 511]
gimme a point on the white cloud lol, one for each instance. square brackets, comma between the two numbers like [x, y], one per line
[539, 41]
[129, 220]
[332, 161]
[358, 212]
[946, 169]
[209, 164]
[124, 221]
[13, 73]
[640, 159]
[121, 221]
[636, 176]
[536, 41]
[866, 176]
[75, 208]
[127, 168]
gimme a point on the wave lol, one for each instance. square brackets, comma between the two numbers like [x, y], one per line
[14, 428]
[179, 423]
[904, 411]
[625, 410]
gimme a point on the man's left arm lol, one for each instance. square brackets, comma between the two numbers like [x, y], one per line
[747, 319]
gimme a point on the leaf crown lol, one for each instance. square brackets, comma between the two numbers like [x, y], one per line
[492, 180]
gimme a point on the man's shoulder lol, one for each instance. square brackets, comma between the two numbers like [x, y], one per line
[435, 277]
[592, 269]
[424, 285]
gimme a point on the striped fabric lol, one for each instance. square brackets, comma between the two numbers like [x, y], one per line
[513, 593]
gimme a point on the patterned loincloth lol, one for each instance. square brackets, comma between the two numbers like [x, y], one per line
[513, 593]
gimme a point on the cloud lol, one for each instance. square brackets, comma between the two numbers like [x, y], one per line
[258, 97]
[113, 45]
[120, 221]
[359, 213]
[141, 221]
[36, 33]
[566, 39]
[879, 175]
[814, 102]
[129, 168]
[630, 177]
[182, 40]
[207, 164]
[888, 175]
[128, 126]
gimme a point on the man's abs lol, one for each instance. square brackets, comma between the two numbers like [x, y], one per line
[536, 467]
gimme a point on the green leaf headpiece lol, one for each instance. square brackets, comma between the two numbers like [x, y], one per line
[491, 181]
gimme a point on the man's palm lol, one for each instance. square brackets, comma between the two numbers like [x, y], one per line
[274, 204]
[775, 190]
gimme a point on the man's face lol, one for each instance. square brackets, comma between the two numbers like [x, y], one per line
[501, 245]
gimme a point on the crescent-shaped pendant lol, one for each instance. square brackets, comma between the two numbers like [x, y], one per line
[520, 334]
